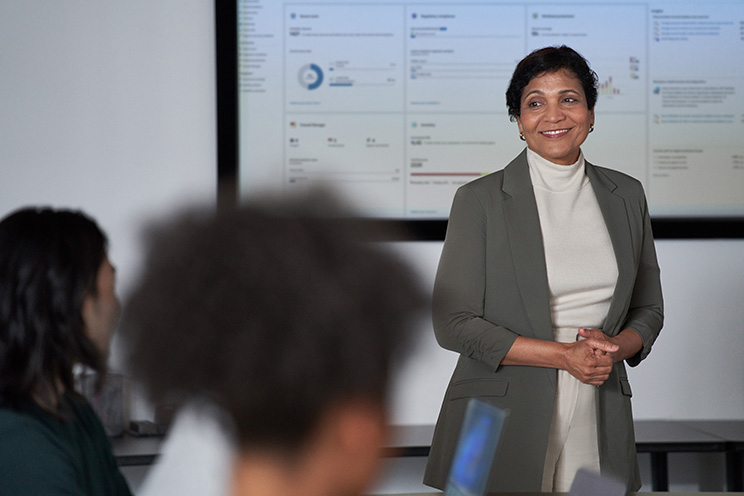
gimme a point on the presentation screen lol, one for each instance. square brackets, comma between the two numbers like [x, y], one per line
[398, 103]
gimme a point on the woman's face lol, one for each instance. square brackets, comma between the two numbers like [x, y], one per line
[554, 118]
[101, 311]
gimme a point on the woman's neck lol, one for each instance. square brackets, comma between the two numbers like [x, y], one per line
[554, 177]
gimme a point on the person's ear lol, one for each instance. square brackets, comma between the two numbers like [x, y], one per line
[89, 313]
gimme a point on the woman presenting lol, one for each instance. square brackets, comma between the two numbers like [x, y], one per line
[547, 284]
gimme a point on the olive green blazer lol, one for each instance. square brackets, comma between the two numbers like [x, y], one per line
[491, 286]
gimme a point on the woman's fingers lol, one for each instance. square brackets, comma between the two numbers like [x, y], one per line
[598, 340]
[587, 365]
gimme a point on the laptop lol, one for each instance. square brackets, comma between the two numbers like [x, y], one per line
[476, 448]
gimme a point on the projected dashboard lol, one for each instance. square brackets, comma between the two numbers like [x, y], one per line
[399, 103]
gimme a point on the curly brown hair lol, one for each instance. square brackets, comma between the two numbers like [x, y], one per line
[271, 310]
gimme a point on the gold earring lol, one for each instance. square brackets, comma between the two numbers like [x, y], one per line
[521, 136]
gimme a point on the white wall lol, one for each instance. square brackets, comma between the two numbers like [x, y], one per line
[695, 370]
[108, 106]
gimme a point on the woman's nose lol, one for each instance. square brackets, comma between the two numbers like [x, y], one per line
[554, 113]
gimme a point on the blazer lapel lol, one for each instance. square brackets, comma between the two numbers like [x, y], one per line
[525, 240]
[614, 211]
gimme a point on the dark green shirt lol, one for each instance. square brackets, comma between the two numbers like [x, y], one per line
[42, 455]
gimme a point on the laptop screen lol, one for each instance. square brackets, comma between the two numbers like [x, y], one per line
[476, 448]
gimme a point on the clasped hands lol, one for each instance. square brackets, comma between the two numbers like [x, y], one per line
[590, 359]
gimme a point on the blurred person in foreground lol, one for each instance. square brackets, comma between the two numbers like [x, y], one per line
[276, 328]
[58, 308]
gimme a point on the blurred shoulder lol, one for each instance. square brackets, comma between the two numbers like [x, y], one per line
[23, 427]
[34, 462]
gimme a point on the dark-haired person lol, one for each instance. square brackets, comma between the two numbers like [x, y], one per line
[277, 330]
[58, 308]
[548, 282]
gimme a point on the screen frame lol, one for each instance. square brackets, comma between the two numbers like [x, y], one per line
[228, 153]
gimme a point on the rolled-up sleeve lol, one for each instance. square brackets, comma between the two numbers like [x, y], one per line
[646, 311]
[460, 287]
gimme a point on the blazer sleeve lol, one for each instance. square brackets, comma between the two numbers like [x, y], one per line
[460, 286]
[646, 310]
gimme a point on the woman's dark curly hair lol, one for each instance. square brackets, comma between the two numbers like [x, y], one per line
[545, 61]
[49, 261]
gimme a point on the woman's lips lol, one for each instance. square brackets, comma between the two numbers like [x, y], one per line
[554, 133]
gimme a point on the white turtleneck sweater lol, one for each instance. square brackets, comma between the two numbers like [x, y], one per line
[580, 260]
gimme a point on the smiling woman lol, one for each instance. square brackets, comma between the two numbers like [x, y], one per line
[554, 117]
[548, 284]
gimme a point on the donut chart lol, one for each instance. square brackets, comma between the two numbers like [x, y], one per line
[310, 76]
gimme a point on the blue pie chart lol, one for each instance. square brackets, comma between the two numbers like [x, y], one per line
[310, 76]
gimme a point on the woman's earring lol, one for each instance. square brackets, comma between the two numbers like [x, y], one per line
[591, 128]
[521, 136]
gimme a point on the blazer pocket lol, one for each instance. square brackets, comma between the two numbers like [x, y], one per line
[625, 387]
[478, 388]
